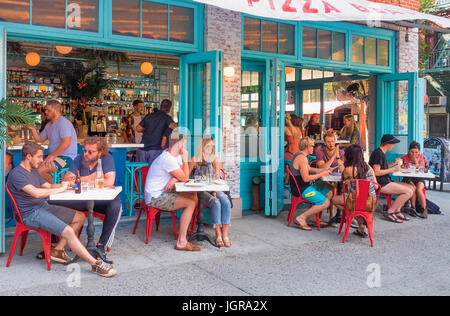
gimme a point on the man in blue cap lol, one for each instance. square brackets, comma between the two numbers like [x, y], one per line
[383, 170]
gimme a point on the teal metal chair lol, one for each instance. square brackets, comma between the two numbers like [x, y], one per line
[57, 175]
[131, 196]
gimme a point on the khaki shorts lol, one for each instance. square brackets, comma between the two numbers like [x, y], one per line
[165, 202]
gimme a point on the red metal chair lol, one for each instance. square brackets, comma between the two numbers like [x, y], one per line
[194, 217]
[22, 230]
[150, 212]
[363, 187]
[296, 200]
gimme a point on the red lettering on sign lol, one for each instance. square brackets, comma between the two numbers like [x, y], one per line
[392, 12]
[379, 11]
[272, 6]
[250, 2]
[329, 8]
[307, 8]
[287, 7]
[360, 8]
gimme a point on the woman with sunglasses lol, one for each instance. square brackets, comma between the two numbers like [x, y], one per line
[217, 202]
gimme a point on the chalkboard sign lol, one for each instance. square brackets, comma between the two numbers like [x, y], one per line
[437, 151]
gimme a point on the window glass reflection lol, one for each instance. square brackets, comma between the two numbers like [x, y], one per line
[358, 49]
[49, 13]
[371, 51]
[181, 24]
[82, 15]
[339, 46]
[309, 42]
[287, 39]
[155, 20]
[269, 37]
[252, 34]
[383, 52]
[324, 44]
[15, 11]
[125, 17]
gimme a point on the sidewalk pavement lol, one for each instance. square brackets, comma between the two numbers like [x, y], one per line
[267, 259]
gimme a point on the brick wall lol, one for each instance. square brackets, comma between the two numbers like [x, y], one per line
[408, 4]
[223, 32]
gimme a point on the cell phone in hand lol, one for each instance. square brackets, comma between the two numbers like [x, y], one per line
[334, 169]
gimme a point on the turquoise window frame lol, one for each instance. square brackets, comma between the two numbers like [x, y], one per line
[348, 29]
[104, 37]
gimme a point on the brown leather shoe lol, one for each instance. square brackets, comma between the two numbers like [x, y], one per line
[60, 256]
[188, 247]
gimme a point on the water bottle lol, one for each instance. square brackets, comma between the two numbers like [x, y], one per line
[210, 174]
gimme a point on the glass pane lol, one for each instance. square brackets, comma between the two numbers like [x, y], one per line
[383, 52]
[339, 46]
[358, 49]
[309, 42]
[246, 78]
[17, 11]
[324, 44]
[317, 74]
[255, 78]
[155, 20]
[287, 39]
[401, 106]
[125, 17]
[82, 15]
[181, 24]
[269, 37]
[252, 34]
[290, 100]
[311, 103]
[371, 51]
[290, 74]
[49, 13]
[306, 74]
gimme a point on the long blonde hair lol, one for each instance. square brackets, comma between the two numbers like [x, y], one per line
[348, 131]
[294, 128]
[201, 145]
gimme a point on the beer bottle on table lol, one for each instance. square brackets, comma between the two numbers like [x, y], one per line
[99, 181]
[78, 183]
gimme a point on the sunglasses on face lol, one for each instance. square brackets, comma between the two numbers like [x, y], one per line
[90, 152]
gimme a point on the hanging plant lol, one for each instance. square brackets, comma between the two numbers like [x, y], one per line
[13, 114]
[82, 80]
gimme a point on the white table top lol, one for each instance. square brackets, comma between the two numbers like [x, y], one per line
[94, 195]
[332, 178]
[182, 187]
[19, 147]
[409, 174]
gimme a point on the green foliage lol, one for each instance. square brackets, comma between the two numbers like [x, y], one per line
[82, 80]
[13, 114]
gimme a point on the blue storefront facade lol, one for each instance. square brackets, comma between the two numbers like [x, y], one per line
[260, 51]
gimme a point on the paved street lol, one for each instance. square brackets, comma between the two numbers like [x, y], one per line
[267, 258]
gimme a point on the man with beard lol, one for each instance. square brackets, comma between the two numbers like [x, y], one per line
[95, 148]
[29, 190]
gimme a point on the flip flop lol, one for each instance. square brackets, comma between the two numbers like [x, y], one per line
[302, 227]
[359, 234]
[188, 247]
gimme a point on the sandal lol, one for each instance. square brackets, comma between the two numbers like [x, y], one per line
[392, 218]
[219, 242]
[302, 227]
[402, 217]
[227, 242]
[359, 234]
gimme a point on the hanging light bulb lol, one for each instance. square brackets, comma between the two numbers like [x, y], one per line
[64, 50]
[32, 59]
[289, 70]
[146, 68]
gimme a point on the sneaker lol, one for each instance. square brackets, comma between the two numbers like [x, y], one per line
[104, 269]
[60, 256]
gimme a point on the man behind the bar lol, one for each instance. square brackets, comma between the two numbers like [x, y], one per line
[154, 127]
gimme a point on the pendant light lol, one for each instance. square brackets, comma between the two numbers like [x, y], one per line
[32, 59]
[146, 68]
[64, 50]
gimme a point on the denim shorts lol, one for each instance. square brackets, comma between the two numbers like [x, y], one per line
[51, 218]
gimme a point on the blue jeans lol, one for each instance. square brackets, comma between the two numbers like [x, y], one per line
[220, 207]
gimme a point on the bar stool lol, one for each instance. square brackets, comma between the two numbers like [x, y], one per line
[57, 175]
[130, 195]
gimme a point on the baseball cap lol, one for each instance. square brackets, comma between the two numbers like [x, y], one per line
[389, 139]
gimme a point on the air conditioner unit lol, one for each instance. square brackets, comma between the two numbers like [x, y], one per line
[438, 101]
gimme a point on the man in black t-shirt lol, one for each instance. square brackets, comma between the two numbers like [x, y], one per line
[383, 169]
[154, 127]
